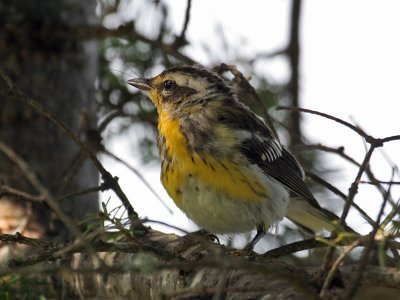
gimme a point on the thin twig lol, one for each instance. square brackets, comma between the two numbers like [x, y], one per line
[65, 176]
[141, 178]
[146, 220]
[21, 239]
[120, 226]
[81, 192]
[20, 195]
[331, 274]
[263, 55]
[108, 118]
[301, 246]
[182, 36]
[391, 215]
[294, 247]
[78, 244]
[354, 186]
[338, 150]
[340, 121]
[340, 194]
[380, 181]
[390, 139]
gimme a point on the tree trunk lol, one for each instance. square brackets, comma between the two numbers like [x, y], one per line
[59, 72]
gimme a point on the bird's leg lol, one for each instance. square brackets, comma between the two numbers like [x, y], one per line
[260, 233]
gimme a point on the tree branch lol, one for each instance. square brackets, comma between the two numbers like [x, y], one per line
[181, 39]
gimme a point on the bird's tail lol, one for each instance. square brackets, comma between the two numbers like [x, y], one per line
[311, 218]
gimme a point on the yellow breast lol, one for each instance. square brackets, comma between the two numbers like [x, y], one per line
[179, 163]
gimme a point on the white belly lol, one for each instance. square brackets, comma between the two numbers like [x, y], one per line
[216, 212]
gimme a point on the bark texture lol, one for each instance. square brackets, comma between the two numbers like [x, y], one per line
[59, 72]
[172, 267]
[166, 266]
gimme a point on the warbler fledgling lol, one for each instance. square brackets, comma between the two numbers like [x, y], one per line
[221, 163]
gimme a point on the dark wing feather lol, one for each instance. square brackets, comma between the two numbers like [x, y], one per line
[287, 171]
[265, 151]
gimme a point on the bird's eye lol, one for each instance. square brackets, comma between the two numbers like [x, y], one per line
[168, 85]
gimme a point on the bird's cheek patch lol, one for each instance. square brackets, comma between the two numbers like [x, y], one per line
[180, 93]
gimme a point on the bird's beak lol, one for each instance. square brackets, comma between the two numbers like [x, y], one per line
[141, 83]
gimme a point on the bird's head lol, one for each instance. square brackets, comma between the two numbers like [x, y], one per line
[183, 88]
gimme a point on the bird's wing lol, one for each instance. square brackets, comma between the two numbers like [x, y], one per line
[263, 149]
